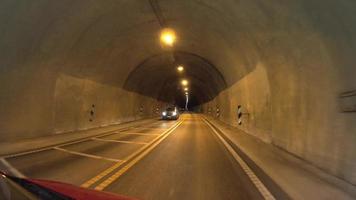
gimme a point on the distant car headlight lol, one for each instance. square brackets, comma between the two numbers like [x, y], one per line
[174, 113]
[164, 113]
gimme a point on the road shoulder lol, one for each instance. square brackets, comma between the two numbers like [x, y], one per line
[297, 178]
[34, 144]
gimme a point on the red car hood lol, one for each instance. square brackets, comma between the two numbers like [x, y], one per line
[77, 193]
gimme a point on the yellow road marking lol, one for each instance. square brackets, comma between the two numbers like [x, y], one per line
[115, 176]
[119, 141]
[93, 180]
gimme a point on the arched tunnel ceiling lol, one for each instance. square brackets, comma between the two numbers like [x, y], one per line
[157, 76]
[106, 41]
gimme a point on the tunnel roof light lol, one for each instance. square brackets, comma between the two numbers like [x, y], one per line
[168, 37]
[180, 68]
[184, 82]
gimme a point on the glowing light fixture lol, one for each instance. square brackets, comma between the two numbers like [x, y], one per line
[180, 68]
[184, 82]
[186, 89]
[168, 37]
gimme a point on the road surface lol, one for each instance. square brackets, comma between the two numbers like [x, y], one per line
[181, 159]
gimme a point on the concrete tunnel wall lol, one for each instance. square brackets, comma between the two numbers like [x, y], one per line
[54, 71]
[290, 64]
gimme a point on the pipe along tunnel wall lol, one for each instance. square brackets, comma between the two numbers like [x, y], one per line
[289, 64]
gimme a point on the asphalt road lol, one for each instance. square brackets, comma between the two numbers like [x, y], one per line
[164, 160]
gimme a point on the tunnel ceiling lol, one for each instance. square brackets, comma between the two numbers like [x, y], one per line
[116, 42]
[110, 42]
[157, 76]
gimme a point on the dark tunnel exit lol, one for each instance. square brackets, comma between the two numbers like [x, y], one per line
[158, 77]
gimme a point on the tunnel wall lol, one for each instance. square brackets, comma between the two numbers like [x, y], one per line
[299, 97]
[37, 102]
[291, 66]
[59, 58]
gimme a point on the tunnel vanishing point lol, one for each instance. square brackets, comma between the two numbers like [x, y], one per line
[289, 66]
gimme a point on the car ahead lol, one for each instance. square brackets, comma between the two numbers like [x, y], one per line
[170, 113]
[13, 188]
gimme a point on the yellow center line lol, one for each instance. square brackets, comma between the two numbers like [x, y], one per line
[117, 175]
[93, 180]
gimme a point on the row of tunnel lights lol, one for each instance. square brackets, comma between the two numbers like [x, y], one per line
[168, 37]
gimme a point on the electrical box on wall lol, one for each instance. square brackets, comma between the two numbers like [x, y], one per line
[347, 101]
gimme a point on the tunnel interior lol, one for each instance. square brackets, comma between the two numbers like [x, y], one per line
[157, 77]
[290, 65]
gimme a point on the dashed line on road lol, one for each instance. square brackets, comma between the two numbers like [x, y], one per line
[144, 134]
[151, 128]
[63, 144]
[95, 179]
[255, 180]
[119, 141]
[117, 175]
[87, 155]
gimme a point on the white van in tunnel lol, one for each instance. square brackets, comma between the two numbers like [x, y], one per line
[170, 113]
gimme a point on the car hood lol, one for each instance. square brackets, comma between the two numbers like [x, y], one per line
[77, 193]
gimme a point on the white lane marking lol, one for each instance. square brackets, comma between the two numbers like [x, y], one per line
[145, 134]
[255, 180]
[87, 155]
[27, 152]
[58, 145]
[69, 143]
[118, 141]
[12, 169]
[115, 176]
[98, 177]
[150, 128]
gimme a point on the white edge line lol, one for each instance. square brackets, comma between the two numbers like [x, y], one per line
[118, 141]
[12, 169]
[87, 155]
[67, 143]
[150, 128]
[254, 179]
[145, 134]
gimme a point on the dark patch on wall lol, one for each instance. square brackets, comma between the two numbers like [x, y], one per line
[347, 101]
